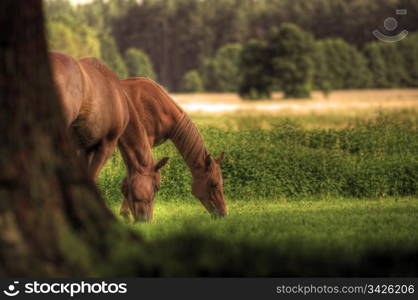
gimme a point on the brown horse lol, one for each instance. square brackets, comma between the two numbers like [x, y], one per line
[164, 119]
[99, 114]
[143, 181]
[95, 106]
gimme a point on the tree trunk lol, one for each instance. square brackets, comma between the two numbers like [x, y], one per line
[52, 218]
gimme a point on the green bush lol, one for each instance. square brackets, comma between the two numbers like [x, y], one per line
[79, 42]
[291, 53]
[322, 79]
[387, 64]
[339, 65]
[371, 159]
[377, 64]
[192, 83]
[208, 75]
[408, 49]
[396, 72]
[257, 81]
[109, 53]
[139, 64]
[222, 74]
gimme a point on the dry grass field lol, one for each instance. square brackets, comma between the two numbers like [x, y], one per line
[339, 110]
[350, 102]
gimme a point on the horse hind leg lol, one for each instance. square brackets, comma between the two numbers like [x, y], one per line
[99, 156]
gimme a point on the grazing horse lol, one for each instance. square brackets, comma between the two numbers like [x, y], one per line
[164, 119]
[143, 180]
[100, 116]
[95, 107]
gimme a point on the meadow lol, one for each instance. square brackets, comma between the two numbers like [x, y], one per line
[308, 195]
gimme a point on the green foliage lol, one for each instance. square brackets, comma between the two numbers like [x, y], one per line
[109, 53]
[78, 42]
[395, 65]
[208, 75]
[370, 159]
[62, 11]
[192, 83]
[139, 64]
[291, 52]
[408, 49]
[257, 82]
[191, 31]
[222, 73]
[322, 79]
[388, 64]
[377, 64]
[339, 65]
[183, 35]
[99, 14]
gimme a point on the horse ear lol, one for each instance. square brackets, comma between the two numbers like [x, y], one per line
[161, 163]
[208, 161]
[220, 158]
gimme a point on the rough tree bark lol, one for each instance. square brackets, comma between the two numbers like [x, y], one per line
[52, 218]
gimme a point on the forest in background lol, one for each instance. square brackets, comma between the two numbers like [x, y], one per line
[192, 46]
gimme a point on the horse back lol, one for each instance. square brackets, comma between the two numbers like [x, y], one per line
[104, 112]
[68, 83]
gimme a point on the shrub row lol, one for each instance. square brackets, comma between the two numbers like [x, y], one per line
[374, 159]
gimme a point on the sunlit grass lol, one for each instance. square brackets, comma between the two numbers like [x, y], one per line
[350, 224]
[332, 237]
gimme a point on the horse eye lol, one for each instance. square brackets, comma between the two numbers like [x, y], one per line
[214, 185]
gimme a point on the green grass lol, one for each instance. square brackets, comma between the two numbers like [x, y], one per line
[334, 237]
[302, 202]
[343, 222]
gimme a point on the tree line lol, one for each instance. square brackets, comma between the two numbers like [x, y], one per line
[293, 62]
[187, 45]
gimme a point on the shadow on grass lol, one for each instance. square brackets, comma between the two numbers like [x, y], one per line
[197, 256]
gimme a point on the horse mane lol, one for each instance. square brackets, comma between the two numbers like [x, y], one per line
[188, 141]
[145, 158]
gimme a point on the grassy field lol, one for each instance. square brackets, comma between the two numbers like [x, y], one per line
[307, 195]
[334, 237]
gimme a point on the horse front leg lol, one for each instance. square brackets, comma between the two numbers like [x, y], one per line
[124, 209]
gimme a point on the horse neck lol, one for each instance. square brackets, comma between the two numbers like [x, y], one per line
[165, 112]
[189, 142]
[134, 145]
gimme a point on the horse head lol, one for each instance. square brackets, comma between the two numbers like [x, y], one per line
[140, 189]
[207, 186]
